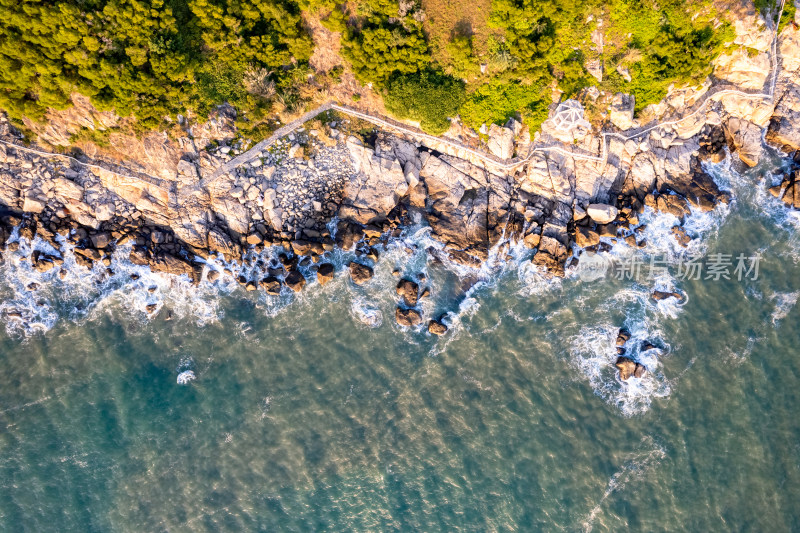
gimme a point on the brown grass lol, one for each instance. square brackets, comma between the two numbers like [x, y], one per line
[327, 46]
[443, 17]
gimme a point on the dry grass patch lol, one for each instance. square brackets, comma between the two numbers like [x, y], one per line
[444, 17]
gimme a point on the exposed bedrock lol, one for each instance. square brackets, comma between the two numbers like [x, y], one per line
[376, 186]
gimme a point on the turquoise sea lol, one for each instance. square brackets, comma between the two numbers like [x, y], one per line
[319, 413]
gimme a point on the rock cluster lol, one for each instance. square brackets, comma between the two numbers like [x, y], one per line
[627, 366]
[406, 314]
[788, 189]
[374, 185]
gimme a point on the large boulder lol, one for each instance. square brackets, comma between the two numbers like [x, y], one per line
[271, 285]
[33, 204]
[408, 317]
[359, 273]
[602, 213]
[436, 328]
[585, 237]
[295, 280]
[626, 366]
[621, 114]
[409, 291]
[551, 255]
[325, 273]
[501, 141]
[744, 138]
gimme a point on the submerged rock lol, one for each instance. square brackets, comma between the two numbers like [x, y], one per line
[663, 295]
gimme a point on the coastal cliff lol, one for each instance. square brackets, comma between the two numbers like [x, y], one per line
[557, 190]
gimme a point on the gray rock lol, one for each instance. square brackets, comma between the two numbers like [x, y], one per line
[621, 114]
[602, 213]
[501, 141]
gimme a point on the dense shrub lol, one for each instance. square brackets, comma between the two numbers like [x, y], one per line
[377, 53]
[428, 97]
[463, 62]
[142, 57]
[496, 101]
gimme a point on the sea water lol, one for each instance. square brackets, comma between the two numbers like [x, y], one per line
[224, 410]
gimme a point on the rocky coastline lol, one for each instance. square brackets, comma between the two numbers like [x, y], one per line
[333, 185]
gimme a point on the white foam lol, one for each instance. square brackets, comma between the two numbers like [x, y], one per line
[784, 302]
[593, 351]
[366, 313]
[185, 377]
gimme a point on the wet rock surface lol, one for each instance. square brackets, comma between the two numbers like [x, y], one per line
[376, 185]
[408, 317]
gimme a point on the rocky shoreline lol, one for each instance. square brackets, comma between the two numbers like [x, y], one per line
[334, 185]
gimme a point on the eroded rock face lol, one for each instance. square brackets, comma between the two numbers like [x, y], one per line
[743, 69]
[621, 114]
[379, 184]
[501, 141]
[377, 189]
[744, 138]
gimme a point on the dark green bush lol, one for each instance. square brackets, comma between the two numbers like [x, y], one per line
[428, 97]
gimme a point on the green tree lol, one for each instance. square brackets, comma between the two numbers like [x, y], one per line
[431, 98]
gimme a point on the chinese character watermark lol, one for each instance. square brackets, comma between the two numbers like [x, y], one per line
[715, 267]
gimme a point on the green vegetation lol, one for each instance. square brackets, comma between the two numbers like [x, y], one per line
[428, 97]
[153, 59]
[146, 58]
[789, 11]
[495, 101]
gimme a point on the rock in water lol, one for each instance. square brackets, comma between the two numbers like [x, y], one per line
[185, 377]
[626, 366]
[325, 273]
[602, 213]
[295, 281]
[359, 273]
[408, 317]
[409, 291]
[623, 336]
[437, 328]
[663, 295]
[271, 285]
[640, 371]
